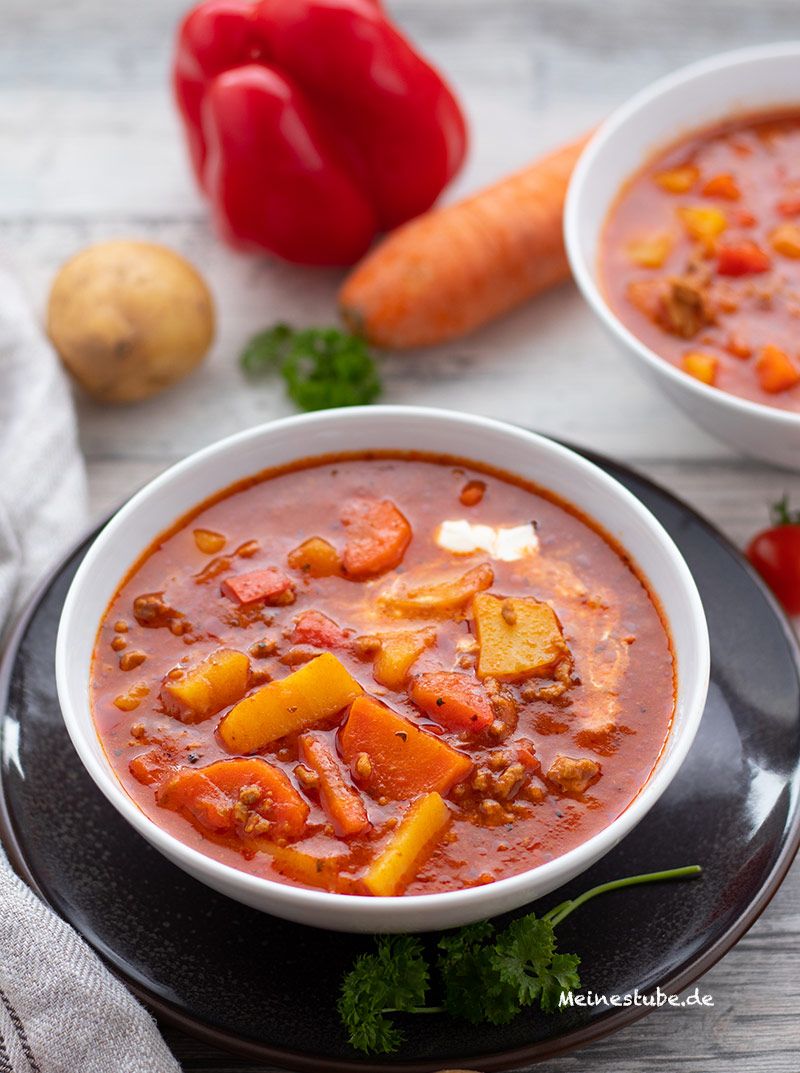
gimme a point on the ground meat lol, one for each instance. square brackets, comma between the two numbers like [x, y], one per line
[687, 308]
[152, 611]
[572, 775]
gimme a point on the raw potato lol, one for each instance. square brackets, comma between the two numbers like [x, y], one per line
[129, 319]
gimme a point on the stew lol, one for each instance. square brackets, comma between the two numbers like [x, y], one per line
[700, 258]
[383, 674]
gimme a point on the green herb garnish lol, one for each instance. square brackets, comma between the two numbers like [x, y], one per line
[485, 975]
[322, 367]
[781, 515]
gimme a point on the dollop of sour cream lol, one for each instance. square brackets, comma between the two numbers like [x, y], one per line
[463, 538]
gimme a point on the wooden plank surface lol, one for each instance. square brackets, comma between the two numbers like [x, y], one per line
[90, 149]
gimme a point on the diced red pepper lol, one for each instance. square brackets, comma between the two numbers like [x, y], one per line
[257, 585]
[314, 628]
[455, 701]
[377, 537]
[742, 259]
[723, 185]
[789, 206]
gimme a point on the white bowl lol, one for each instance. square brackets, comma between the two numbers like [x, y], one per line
[507, 448]
[741, 82]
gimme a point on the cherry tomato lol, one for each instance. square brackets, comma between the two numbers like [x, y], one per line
[775, 554]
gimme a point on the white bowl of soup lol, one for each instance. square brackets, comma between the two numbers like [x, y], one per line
[682, 226]
[383, 669]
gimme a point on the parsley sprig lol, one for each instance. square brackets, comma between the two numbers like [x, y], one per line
[484, 975]
[322, 367]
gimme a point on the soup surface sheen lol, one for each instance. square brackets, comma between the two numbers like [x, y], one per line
[313, 678]
[700, 257]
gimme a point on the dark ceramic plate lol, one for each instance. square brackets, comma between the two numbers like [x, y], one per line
[266, 988]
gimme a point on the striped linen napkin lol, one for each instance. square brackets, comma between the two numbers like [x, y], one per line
[61, 1010]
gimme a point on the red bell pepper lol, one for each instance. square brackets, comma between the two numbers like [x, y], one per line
[312, 125]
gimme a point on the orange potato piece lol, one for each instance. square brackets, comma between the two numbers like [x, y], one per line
[314, 871]
[402, 759]
[444, 597]
[318, 689]
[785, 239]
[701, 366]
[416, 838]
[650, 251]
[229, 795]
[703, 224]
[315, 557]
[397, 654]
[205, 689]
[518, 637]
[377, 537]
[775, 370]
[455, 701]
[340, 800]
[208, 541]
[678, 180]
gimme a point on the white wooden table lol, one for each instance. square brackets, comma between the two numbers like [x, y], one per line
[90, 149]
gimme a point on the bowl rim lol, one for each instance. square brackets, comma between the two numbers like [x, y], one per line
[80, 724]
[580, 179]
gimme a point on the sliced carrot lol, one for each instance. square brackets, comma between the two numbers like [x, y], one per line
[393, 757]
[701, 366]
[775, 370]
[377, 537]
[723, 185]
[314, 628]
[257, 585]
[417, 836]
[452, 269]
[341, 801]
[237, 796]
[455, 701]
[789, 206]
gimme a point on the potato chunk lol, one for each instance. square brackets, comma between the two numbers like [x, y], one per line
[439, 595]
[393, 757]
[208, 687]
[416, 838]
[397, 654]
[316, 690]
[518, 637]
[316, 558]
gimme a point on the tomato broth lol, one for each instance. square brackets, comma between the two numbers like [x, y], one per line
[314, 679]
[700, 257]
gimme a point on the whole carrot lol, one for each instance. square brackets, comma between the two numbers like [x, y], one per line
[451, 270]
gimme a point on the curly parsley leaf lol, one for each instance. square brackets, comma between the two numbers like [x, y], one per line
[562, 978]
[485, 975]
[394, 979]
[322, 367]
